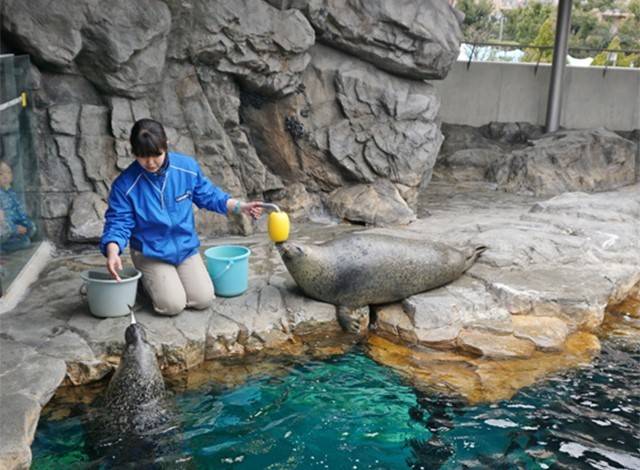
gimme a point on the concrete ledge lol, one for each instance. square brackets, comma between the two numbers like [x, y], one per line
[27, 276]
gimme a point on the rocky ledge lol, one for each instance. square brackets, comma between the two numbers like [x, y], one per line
[528, 308]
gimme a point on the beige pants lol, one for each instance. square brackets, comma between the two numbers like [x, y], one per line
[172, 288]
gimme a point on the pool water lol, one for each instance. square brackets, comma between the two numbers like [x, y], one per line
[348, 412]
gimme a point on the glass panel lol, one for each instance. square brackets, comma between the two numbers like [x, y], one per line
[20, 231]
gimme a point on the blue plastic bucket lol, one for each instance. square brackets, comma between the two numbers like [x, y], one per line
[228, 266]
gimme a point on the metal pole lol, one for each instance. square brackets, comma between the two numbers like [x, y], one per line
[557, 69]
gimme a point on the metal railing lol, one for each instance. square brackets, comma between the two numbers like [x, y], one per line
[515, 46]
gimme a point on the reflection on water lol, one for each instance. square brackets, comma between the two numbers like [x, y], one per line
[349, 412]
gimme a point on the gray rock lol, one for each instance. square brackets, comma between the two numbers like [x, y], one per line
[547, 333]
[124, 45]
[67, 153]
[82, 365]
[371, 204]
[18, 420]
[257, 311]
[262, 46]
[30, 374]
[297, 202]
[86, 218]
[464, 302]
[223, 95]
[56, 205]
[576, 295]
[308, 316]
[222, 338]
[513, 132]
[589, 160]
[416, 39]
[63, 118]
[352, 123]
[124, 113]
[51, 35]
[72, 88]
[494, 346]
[96, 147]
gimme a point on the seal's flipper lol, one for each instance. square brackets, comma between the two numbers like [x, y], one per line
[472, 254]
[354, 320]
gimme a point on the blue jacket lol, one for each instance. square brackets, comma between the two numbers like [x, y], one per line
[154, 210]
[14, 215]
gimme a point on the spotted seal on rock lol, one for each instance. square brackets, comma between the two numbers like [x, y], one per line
[362, 269]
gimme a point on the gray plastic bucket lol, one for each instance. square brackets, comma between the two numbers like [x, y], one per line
[108, 297]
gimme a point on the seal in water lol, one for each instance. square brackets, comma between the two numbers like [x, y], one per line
[363, 269]
[135, 421]
[136, 393]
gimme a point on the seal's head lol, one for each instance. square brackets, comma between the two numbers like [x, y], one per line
[137, 379]
[135, 334]
[290, 251]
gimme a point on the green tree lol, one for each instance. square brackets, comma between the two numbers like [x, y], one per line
[629, 29]
[607, 58]
[617, 59]
[522, 24]
[602, 5]
[588, 32]
[545, 37]
[477, 24]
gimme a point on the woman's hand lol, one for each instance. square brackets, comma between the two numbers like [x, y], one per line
[21, 229]
[252, 209]
[114, 263]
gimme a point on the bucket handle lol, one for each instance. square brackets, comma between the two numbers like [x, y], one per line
[83, 289]
[220, 274]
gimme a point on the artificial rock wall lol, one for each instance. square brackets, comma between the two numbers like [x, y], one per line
[314, 104]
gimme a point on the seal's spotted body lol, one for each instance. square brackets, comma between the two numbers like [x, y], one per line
[366, 269]
[135, 397]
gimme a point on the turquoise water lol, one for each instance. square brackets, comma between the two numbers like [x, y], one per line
[350, 413]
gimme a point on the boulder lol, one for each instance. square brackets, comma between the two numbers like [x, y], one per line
[585, 160]
[411, 38]
[352, 123]
[371, 204]
[468, 152]
[87, 218]
[124, 45]
[18, 420]
[52, 36]
[265, 48]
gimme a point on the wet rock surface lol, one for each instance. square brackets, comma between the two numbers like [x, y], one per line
[527, 308]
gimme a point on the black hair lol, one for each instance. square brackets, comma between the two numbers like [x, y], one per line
[148, 138]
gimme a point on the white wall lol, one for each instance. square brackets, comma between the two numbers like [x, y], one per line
[505, 92]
